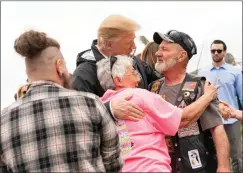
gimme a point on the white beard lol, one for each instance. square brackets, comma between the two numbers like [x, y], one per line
[166, 65]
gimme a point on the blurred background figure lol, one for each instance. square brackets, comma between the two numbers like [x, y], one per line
[230, 59]
[148, 54]
[22, 91]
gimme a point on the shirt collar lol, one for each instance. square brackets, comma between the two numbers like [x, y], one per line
[97, 54]
[223, 66]
[43, 82]
[103, 55]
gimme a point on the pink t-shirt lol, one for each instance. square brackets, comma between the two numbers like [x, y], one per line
[143, 142]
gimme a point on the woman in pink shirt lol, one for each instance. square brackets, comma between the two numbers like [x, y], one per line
[142, 142]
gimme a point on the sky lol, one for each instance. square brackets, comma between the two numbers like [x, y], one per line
[74, 25]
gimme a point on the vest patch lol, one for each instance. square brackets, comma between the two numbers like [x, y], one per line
[193, 129]
[194, 159]
[189, 86]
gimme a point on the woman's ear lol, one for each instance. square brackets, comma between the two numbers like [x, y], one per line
[117, 81]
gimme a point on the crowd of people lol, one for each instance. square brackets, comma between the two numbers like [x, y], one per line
[118, 112]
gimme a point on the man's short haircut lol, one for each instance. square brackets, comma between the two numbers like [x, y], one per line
[220, 42]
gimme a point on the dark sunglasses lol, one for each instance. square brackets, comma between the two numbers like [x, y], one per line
[218, 51]
[113, 59]
[112, 62]
[186, 43]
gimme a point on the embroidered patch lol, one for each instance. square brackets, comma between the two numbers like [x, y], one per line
[186, 94]
[163, 96]
[186, 97]
[155, 87]
[193, 129]
[124, 138]
[192, 96]
[194, 159]
[189, 86]
[182, 104]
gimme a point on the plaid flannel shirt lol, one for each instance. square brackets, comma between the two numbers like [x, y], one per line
[53, 129]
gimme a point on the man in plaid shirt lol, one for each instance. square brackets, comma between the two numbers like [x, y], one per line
[51, 128]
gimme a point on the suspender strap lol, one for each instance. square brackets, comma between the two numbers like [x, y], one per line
[189, 79]
[175, 139]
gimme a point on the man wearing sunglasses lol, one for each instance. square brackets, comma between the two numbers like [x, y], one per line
[175, 50]
[230, 80]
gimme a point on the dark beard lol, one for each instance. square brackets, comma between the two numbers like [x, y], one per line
[217, 59]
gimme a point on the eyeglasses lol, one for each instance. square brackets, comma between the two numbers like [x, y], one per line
[135, 73]
[186, 43]
[219, 51]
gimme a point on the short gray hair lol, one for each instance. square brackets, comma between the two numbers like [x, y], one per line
[119, 69]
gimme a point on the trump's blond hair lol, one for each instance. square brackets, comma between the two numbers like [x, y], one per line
[113, 27]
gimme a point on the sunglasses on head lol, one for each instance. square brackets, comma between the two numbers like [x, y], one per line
[112, 61]
[218, 51]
